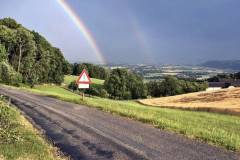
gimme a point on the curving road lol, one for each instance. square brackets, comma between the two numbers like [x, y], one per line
[87, 134]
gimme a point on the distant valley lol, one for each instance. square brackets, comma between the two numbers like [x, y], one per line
[158, 72]
[226, 64]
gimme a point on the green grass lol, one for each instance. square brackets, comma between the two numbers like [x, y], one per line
[217, 129]
[19, 140]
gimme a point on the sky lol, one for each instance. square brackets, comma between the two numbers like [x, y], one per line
[136, 31]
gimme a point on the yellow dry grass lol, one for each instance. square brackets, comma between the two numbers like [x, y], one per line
[224, 101]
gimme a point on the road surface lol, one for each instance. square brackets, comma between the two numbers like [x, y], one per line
[87, 134]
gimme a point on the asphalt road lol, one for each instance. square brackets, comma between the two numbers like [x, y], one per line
[86, 133]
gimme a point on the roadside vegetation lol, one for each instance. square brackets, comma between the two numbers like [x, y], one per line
[218, 129]
[19, 140]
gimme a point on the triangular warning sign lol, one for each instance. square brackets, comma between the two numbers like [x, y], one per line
[83, 78]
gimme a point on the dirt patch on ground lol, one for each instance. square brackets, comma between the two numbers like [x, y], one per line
[225, 101]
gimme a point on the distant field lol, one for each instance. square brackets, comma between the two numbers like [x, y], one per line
[19, 140]
[224, 101]
[69, 78]
[218, 129]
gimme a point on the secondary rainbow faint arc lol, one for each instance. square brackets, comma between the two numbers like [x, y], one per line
[83, 28]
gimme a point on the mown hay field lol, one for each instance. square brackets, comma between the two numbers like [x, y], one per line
[223, 101]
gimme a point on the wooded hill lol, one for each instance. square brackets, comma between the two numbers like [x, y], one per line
[27, 57]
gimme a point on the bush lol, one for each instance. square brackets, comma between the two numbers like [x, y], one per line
[97, 90]
[8, 75]
[73, 86]
[103, 93]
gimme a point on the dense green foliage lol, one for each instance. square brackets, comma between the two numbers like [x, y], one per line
[219, 129]
[8, 75]
[172, 86]
[123, 84]
[94, 71]
[3, 53]
[30, 54]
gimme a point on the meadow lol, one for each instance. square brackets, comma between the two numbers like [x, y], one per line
[213, 128]
[19, 140]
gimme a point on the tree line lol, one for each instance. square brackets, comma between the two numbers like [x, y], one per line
[125, 84]
[28, 56]
[94, 71]
[171, 86]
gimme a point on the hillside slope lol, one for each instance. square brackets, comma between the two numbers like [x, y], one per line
[225, 101]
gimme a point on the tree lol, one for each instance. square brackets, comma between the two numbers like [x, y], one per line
[3, 54]
[10, 23]
[136, 86]
[26, 48]
[116, 84]
[7, 37]
[170, 84]
[67, 67]
[123, 84]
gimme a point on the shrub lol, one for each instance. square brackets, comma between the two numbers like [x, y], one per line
[73, 86]
[8, 75]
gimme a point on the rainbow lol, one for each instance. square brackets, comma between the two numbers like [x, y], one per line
[83, 29]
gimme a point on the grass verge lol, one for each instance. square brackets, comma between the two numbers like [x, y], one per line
[19, 140]
[217, 129]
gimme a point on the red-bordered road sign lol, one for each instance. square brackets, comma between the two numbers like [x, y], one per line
[83, 80]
